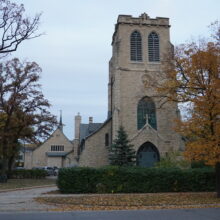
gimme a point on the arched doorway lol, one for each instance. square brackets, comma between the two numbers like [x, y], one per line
[147, 155]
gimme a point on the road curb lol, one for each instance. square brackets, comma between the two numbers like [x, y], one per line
[26, 188]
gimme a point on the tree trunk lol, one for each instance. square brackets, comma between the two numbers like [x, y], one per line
[10, 165]
[217, 171]
[3, 171]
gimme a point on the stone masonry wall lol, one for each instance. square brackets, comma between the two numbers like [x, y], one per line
[95, 153]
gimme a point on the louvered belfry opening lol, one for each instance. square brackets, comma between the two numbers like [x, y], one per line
[153, 47]
[136, 46]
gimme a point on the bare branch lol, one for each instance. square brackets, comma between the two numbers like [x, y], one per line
[15, 27]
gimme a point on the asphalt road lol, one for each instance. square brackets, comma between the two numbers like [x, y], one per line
[174, 214]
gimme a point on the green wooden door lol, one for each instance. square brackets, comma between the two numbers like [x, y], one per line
[147, 155]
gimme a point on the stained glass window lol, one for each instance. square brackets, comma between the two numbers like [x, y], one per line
[146, 111]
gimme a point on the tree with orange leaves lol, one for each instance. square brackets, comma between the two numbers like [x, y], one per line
[193, 77]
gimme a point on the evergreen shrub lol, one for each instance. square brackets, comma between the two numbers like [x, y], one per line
[28, 174]
[121, 152]
[134, 180]
[198, 164]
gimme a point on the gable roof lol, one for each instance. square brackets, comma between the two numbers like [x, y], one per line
[88, 129]
[51, 136]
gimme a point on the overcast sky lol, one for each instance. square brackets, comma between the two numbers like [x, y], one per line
[75, 51]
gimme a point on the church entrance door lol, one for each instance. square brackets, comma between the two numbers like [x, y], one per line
[147, 155]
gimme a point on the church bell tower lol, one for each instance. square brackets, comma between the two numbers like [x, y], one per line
[140, 46]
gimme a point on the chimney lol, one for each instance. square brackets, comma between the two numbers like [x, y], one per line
[77, 125]
[90, 120]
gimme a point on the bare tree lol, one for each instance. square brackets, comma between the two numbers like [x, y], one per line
[15, 27]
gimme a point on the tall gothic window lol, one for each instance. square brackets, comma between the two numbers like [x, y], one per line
[146, 112]
[136, 46]
[153, 47]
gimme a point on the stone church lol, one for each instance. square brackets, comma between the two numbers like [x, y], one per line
[139, 45]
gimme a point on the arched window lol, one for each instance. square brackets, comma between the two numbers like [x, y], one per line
[136, 46]
[153, 47]
[146, 112]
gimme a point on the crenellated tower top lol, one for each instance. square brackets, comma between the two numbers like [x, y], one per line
[142, 20]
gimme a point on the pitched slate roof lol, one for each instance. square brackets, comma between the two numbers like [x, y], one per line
[88, 129]
[28, 147]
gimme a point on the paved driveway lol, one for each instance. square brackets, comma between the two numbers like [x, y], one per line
[23, 200]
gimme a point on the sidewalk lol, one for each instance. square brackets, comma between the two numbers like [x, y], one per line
[23, 200]
[25, 188]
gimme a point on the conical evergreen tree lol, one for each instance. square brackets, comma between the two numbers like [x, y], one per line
[121, 152]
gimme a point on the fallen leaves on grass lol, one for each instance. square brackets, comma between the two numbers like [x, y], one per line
[132, 201]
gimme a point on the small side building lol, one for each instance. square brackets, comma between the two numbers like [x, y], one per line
[56, 151]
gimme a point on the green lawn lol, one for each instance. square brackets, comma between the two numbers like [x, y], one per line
[22, 183]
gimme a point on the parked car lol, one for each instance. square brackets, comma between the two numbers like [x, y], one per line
[56, 171]
[72, 165]
[50, 170]
[19, 168]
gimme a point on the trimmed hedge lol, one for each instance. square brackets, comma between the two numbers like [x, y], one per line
[199, 164]
[28, 174]
[134, 180]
